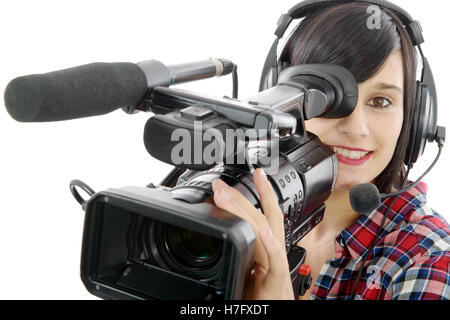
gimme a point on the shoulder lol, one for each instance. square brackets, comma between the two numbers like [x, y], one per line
[419, 228]
[419, 247]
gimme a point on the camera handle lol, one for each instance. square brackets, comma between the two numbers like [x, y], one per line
[300, 273]
[78, 183]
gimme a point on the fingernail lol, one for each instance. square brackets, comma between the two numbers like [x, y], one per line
[218, 185]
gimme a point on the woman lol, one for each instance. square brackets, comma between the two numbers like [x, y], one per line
[410, 259]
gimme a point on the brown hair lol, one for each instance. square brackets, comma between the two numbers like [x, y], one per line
[340, 35]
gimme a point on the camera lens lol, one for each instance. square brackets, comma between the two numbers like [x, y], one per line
[192, 249]
[181, 250]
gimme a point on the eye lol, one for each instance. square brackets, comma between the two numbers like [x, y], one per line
[380, 102]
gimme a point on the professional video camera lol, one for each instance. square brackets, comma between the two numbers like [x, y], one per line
[169, 241]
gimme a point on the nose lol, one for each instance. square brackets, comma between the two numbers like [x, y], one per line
[355, 126]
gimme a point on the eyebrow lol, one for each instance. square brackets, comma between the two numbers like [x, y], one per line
[384, 85]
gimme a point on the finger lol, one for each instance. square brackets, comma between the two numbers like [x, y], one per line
[241, 201]
[269, 204]
[259, 274]
[278, 270]
[223, 201]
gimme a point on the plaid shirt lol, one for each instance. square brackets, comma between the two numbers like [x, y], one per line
[410, 260]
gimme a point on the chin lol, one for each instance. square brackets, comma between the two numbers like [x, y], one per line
[346, 187]
[347, 184]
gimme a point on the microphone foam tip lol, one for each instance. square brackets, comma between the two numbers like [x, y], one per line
[364, 198]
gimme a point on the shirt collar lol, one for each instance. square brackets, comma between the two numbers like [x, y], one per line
[358, 237]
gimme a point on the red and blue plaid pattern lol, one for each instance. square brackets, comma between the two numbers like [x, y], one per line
[410, 260]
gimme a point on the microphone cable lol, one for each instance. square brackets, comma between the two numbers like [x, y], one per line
[235, 81]
[440, 144]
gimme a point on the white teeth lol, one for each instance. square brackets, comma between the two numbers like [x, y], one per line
[356, 155]
[346, 153]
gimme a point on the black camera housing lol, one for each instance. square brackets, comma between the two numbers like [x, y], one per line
[171, 241]
[106, 269]
[128, 249]
[111, 269]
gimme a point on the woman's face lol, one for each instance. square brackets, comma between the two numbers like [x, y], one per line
[365, 140]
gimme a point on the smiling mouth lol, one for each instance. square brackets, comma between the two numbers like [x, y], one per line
[351, 154]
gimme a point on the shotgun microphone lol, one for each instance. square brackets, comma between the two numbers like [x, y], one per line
[98, 88]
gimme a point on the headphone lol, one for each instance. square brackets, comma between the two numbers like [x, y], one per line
[423, 121]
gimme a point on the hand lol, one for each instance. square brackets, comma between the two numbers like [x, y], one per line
[271, 278]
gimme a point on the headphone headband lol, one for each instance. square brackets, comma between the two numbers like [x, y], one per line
[304, 8]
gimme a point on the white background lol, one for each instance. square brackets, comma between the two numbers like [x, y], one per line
[40, 223]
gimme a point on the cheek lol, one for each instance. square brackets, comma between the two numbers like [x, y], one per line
[320, 127]
[388, 130]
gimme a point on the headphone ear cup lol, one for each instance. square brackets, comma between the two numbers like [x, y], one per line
[271, 77]
[276, 70]
[419, 123]
[282, 65]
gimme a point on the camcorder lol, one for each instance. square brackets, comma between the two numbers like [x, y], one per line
[168, 241]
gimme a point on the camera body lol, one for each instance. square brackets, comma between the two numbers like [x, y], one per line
[133, 237]
[170, 241]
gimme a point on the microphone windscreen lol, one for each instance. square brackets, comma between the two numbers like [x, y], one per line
[83, 91]
[364, 198]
